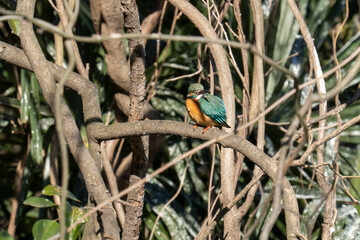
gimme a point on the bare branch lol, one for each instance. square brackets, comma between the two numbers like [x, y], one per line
[139, 144]
[39, 65]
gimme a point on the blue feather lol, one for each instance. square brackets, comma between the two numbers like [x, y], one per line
[213, 107]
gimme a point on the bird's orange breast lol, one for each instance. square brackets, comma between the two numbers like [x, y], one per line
[193, 108]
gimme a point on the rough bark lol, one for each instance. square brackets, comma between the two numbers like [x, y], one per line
[139, 145]
[108, 19]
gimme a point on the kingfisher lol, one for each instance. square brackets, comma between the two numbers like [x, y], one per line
[204, 108]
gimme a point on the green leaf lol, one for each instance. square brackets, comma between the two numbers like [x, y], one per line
[76, 213]
[286, 32]
[36, 141]
[355, 183]
[15, 103]
[35, 90]
[312, 209]
[39, 202]
[15, 26]
[44, 229]
[25, 97]
[180, 224]
[160, 232]
[4, 235]
[347, 224]
[51, 190]
[357, 206]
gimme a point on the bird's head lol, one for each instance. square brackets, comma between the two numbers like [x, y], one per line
[196, 91]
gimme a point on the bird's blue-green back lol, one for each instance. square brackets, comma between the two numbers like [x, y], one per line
[213, 107]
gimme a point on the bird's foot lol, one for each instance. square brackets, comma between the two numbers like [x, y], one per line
[195, 126]
[206, 129]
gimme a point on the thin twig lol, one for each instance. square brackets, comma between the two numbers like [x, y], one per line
[62, 142]
[98, 38]
[112, 184]
[219, 215]
[333, 134]
[186, 76]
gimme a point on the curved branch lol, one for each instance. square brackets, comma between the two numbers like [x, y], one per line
[254, 154]
[85, 88]
[35, 59]
[163, 127]
[166, 127]
[323, 140]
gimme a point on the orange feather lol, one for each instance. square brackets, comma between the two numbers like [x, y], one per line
[197, 115]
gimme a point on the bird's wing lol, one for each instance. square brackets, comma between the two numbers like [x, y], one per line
[213, 107]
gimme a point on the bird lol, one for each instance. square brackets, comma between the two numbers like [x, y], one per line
[204, 108]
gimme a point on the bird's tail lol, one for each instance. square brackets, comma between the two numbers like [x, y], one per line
[226, 125]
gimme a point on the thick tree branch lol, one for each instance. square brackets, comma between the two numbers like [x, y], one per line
[39, 65]
[108, 19]
[139, 144]
[165, 127]
[226, 140]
